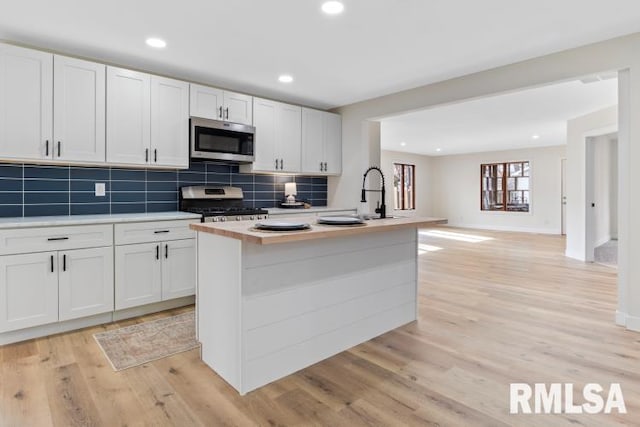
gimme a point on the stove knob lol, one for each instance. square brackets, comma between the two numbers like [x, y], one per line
[214, 219]
[238, 218]
[252, 218]
[223, 218]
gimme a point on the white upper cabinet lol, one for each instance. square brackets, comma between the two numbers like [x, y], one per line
[78, 110]
[277, 138]
[26, 103]
[289, 137]
[128, 116]
[321, 142]
[332, 143]
[206, 102]
[217, 104]
[312, 141]
[147, 119]
[169, 122]
[265, 142]
[238, 108]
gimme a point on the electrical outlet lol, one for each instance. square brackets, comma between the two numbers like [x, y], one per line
[101, 189]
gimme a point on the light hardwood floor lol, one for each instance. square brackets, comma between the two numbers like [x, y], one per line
[492, 312]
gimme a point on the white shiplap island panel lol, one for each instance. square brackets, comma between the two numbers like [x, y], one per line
[266, 310]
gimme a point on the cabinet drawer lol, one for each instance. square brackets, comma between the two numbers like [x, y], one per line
[154, 231]
[42, 239]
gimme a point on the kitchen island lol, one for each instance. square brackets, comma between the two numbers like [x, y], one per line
[271, 303]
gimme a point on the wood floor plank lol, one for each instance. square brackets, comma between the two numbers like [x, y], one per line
[494, 309]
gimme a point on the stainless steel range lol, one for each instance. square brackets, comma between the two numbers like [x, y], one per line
[217, 204]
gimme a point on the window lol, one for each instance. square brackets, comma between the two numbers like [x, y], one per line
[505, 187]
[404, 196]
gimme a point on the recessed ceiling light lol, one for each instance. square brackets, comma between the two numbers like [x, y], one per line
[535, 136]
[438, 149]
[285, 78]
[403, 144]
[332, 7]
[156, 42]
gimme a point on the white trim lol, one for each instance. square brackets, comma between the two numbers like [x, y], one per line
[633, 323]
[621, 318]
[506, 228]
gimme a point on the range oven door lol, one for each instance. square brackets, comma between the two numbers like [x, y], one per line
[212, 139]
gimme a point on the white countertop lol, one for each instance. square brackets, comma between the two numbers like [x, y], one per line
[53, 221]
[313, 209]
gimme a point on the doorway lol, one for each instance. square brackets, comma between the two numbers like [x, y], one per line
[601, 236]
[563, 196]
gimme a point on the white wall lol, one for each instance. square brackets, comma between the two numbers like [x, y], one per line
[597, 123]
[456, 190]
[620, 54]
[423, 181]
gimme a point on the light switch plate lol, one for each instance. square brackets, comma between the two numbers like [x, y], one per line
[101, 189]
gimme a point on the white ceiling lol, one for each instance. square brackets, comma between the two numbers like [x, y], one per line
[499, 122]
[375, 47]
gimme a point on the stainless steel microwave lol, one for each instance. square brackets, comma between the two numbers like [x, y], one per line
[218, 140]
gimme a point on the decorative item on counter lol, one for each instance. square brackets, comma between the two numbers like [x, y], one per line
[290, 192]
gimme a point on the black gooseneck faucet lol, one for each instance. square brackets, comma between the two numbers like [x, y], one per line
[382, 210]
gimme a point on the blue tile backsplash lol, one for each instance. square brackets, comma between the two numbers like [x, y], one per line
[30, 190]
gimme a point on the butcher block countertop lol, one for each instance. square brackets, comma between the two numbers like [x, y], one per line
[243, 230]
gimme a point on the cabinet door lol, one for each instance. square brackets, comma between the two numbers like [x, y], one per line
[85, 282]
[238, 108]
[79, 110]
[265, 113]
[333, 143]
[289, 137]
[26, 103]
[128, 116]
[28, 290]
[206, 102]
[169, 122]
[138, 275]
[178, 268]
[312, 141]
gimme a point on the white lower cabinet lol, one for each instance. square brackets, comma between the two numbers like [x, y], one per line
[179, 269]
[51, 274]
[28, 290]
[85, 283]
[153, 272]
[138, 275]
[155, 261]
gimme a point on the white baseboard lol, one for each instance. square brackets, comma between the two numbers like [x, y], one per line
[621, 318]
[54, 328]
[575, 255]
[632, 323]
[85, 322]
[506, 228]
[602, 241]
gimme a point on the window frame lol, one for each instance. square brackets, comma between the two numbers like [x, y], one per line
[402, 183]
[503, 189]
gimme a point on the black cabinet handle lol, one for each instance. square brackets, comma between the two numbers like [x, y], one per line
[155, 155]
[281, 164]
[160, 231]
[53, 239]
[276, 164]
[52, 263]
[325, 166]
[146, 154]
[64, 262]
[157, 251]
[166, 251]
[220, 111]
[227, 113]
[58, 148]
[46, 147]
